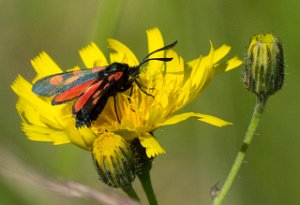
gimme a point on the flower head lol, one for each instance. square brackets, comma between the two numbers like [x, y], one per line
[264, 65]
[115, 161]
[173, 84]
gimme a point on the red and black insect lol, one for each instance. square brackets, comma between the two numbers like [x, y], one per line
[91, 88]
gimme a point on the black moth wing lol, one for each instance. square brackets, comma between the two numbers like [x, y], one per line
[61, 82]
[92, 102]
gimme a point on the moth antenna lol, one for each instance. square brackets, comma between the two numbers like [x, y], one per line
[146, 58]
[158, 59]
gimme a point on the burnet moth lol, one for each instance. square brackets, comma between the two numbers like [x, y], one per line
[91, 88]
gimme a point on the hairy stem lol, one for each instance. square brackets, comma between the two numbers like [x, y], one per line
[145, 179]
[258, 111]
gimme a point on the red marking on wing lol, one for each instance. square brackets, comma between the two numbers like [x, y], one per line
[76, 72]
[72, 92]
[97, 93]
[71, 79]
[81, 101]
[91, 70]
[96, 100]
[115, 76]
[55, 80]
[97, 69]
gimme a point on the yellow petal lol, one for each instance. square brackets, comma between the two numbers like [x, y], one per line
[121, 53]
[201, 117]
[229, 65]
[92, 56]
[151, 145]
[221, 52]
[155, 39]
[201, 73]
[212, 120]
[176, 65]
[202, 69]
[44, 66]
[88, 135]
[45, 134]
[32, 105]
[77, 137]
[35, 127]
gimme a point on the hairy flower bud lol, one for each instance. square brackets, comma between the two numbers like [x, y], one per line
[114, 159]
[264, 67]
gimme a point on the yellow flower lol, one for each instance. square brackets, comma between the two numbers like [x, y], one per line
[173, 84]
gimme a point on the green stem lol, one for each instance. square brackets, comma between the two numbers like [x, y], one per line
[258, 111]
[131, 193]
[145, 179]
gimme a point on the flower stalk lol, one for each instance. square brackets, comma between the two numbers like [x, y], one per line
[258, 111]
[145, 179]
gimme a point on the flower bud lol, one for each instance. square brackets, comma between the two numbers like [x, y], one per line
[264, 67]
[114, 159]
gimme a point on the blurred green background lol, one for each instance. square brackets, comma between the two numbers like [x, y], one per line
[198, 155]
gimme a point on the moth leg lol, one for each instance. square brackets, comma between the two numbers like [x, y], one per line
[131, 91]
[126, 87]
[129, 98]
[141, 87]
[115, 106]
